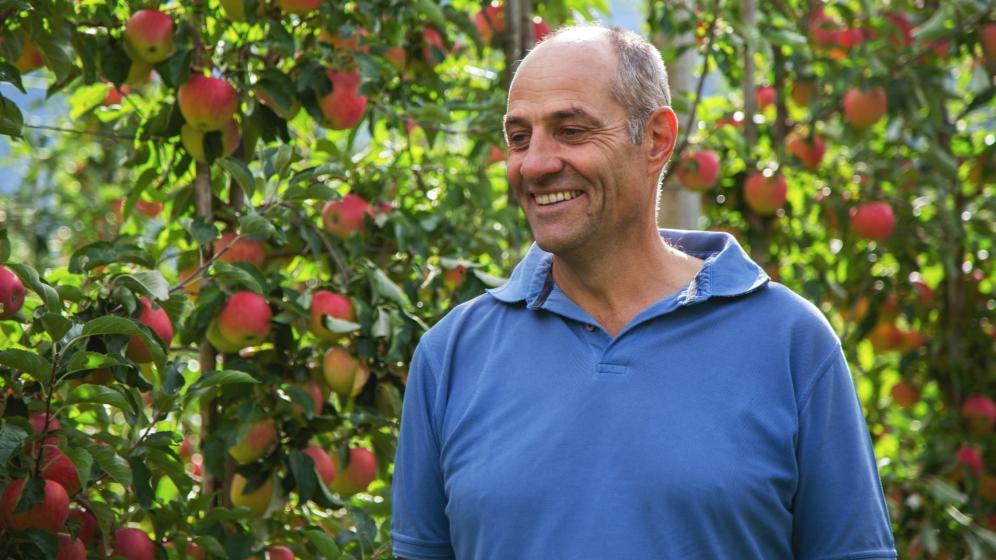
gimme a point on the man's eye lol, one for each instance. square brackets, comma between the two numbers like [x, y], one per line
[571, 132]
[517, 138]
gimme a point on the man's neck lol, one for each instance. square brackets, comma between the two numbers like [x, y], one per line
[617, 283]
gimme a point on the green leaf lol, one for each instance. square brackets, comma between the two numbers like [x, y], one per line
[386, 288]
[102, 253]
[305, 478]
[324, 543]
[175, 70]
[211, 545]
[222, 377]
[240, 172]
[9, 73]
[86, 360]
[945, 493]
[85, 99]
[47, 293]
[32, 493]
[317, 191]
[28, 362]
[98, 394]
[83, 461]
[236, 274]
[488, 280]
[12, 438]
[431, 11]
[4, 245]
[56, 325]
[256, 227]
[382, 325]
[46, 541]
[152, 283]
[11, 119]
[112, 324]
[339, 326]
[110, 462]
[141, 481]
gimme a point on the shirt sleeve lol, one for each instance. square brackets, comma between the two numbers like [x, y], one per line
[839, 510]
[419, 526]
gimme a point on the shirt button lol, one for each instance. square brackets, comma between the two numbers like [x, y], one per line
[589, 327]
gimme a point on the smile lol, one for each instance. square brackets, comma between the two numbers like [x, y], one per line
[552, 198]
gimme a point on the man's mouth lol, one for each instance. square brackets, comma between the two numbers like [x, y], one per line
[545, 199]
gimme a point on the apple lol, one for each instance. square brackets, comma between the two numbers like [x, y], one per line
[114, 95]
[70, 548]
[970, 458]
[809, 150]
[987, 487]
[698, 170]
[433, 47]
[133, 544]
[885, 337]
[48, 515]
[873, 220]
[150, 208]
[342, 372]
[329, 303]
[299, 7]
[148, 36]
[30, 58]
[350, 43]
[987, 36]
[980, 412]
[193, 140]
[317, 394]
[849, 38]
[495, 155]
[219, 342]
[240, 249]
[323, 463]
[764, 97]
[925, 294]
[286, 113]
[490, 21]
[245, 319]
[280, 553]
[899, 30]
[195, 551]
[765, 195]
[823, 30]
[540, 29]
[454, 277]
[397, 57]
[157, 320]
[11, 293]
[88, 525]
[802, 92]
[344, 216]
[344, 107]
[358, 474]
[912, 340]
[57, 467]
[257, 442]
[257, 501]
[207, 103]
[862, 109]
[905, 394]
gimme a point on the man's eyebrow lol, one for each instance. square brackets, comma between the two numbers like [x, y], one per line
[556, 116]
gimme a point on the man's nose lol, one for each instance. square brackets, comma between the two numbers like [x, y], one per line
[542, 158]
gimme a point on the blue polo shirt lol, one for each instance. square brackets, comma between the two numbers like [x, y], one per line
[721, 422]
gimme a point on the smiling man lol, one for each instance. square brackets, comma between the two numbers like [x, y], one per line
[630, 392]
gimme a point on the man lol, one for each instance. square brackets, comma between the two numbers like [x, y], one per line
[629, 393]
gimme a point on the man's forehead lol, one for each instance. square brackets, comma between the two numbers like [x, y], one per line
[554, 112]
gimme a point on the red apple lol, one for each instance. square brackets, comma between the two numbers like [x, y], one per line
[765, 195]
[318, 396]
[245, 319]
[133, 544]
[48, 515]
[764, 97]
[925, 294]
[970, 458]
[157, 320]
[150, 208]
[862, 109]
[873, 220]
[323, 463]
[343, 108]
[114, 95]
[332, 304]
[207, 103]
[899, 30]
[912, 340]
[300, 7]
[148, 36]
[433, 47]
[495, 155]
[454, 277]
[193, 140]
[358, 474]
[849, 38]
[823, 30]
[698, 170]
[70, 548]
[905, 394]
[342, 217]
[490, 21]
[540, 29]
[219, 342]
[57, 467]
[88, 525]
[30, 58]
[397, 57]
[257, 442]
[11, 293]
[280, 553]
[258, 500]
[980, 412]
[885, 337]
[802, 93]
[809, 150]
[240, 249]
[351, 43]
[987, 36]
[342, 372]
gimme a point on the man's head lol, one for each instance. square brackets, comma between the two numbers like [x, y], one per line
[588, 122]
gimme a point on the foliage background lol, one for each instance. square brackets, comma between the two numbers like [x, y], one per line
[423, 150]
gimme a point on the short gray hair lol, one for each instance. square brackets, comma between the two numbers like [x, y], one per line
[640, 84]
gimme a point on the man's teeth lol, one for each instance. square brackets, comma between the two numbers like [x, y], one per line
[550, 198]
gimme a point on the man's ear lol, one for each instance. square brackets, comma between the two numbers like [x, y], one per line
[660, 135]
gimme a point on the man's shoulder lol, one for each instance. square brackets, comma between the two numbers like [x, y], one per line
[470, 315]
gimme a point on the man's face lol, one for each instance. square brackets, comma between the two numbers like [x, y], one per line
[581, 182]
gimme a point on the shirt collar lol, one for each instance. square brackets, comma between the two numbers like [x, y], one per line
[727, 270]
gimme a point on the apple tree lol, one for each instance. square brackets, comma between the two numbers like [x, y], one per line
[850, 146]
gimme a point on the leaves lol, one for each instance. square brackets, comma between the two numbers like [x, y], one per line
[240, 172]
[121, 325]
[28, 362]
[31, 280]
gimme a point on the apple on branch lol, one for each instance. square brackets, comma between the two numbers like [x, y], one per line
[207, 103]
[11, 293]
[256, 443]
[342, 217]
[343, 373]
[193, 140]
[344, 107]
[873, 220]
[765, 194]
[864, 108]
[325, 302]
[809, 149]
[148, 36]
[257, 500]
[157, 320]
[324, 465]
[360, 471]
[698, 170]
[70, 548]
[240, 249]
[50, 514]
[30, 58]
[244, 321]
[133, 544]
